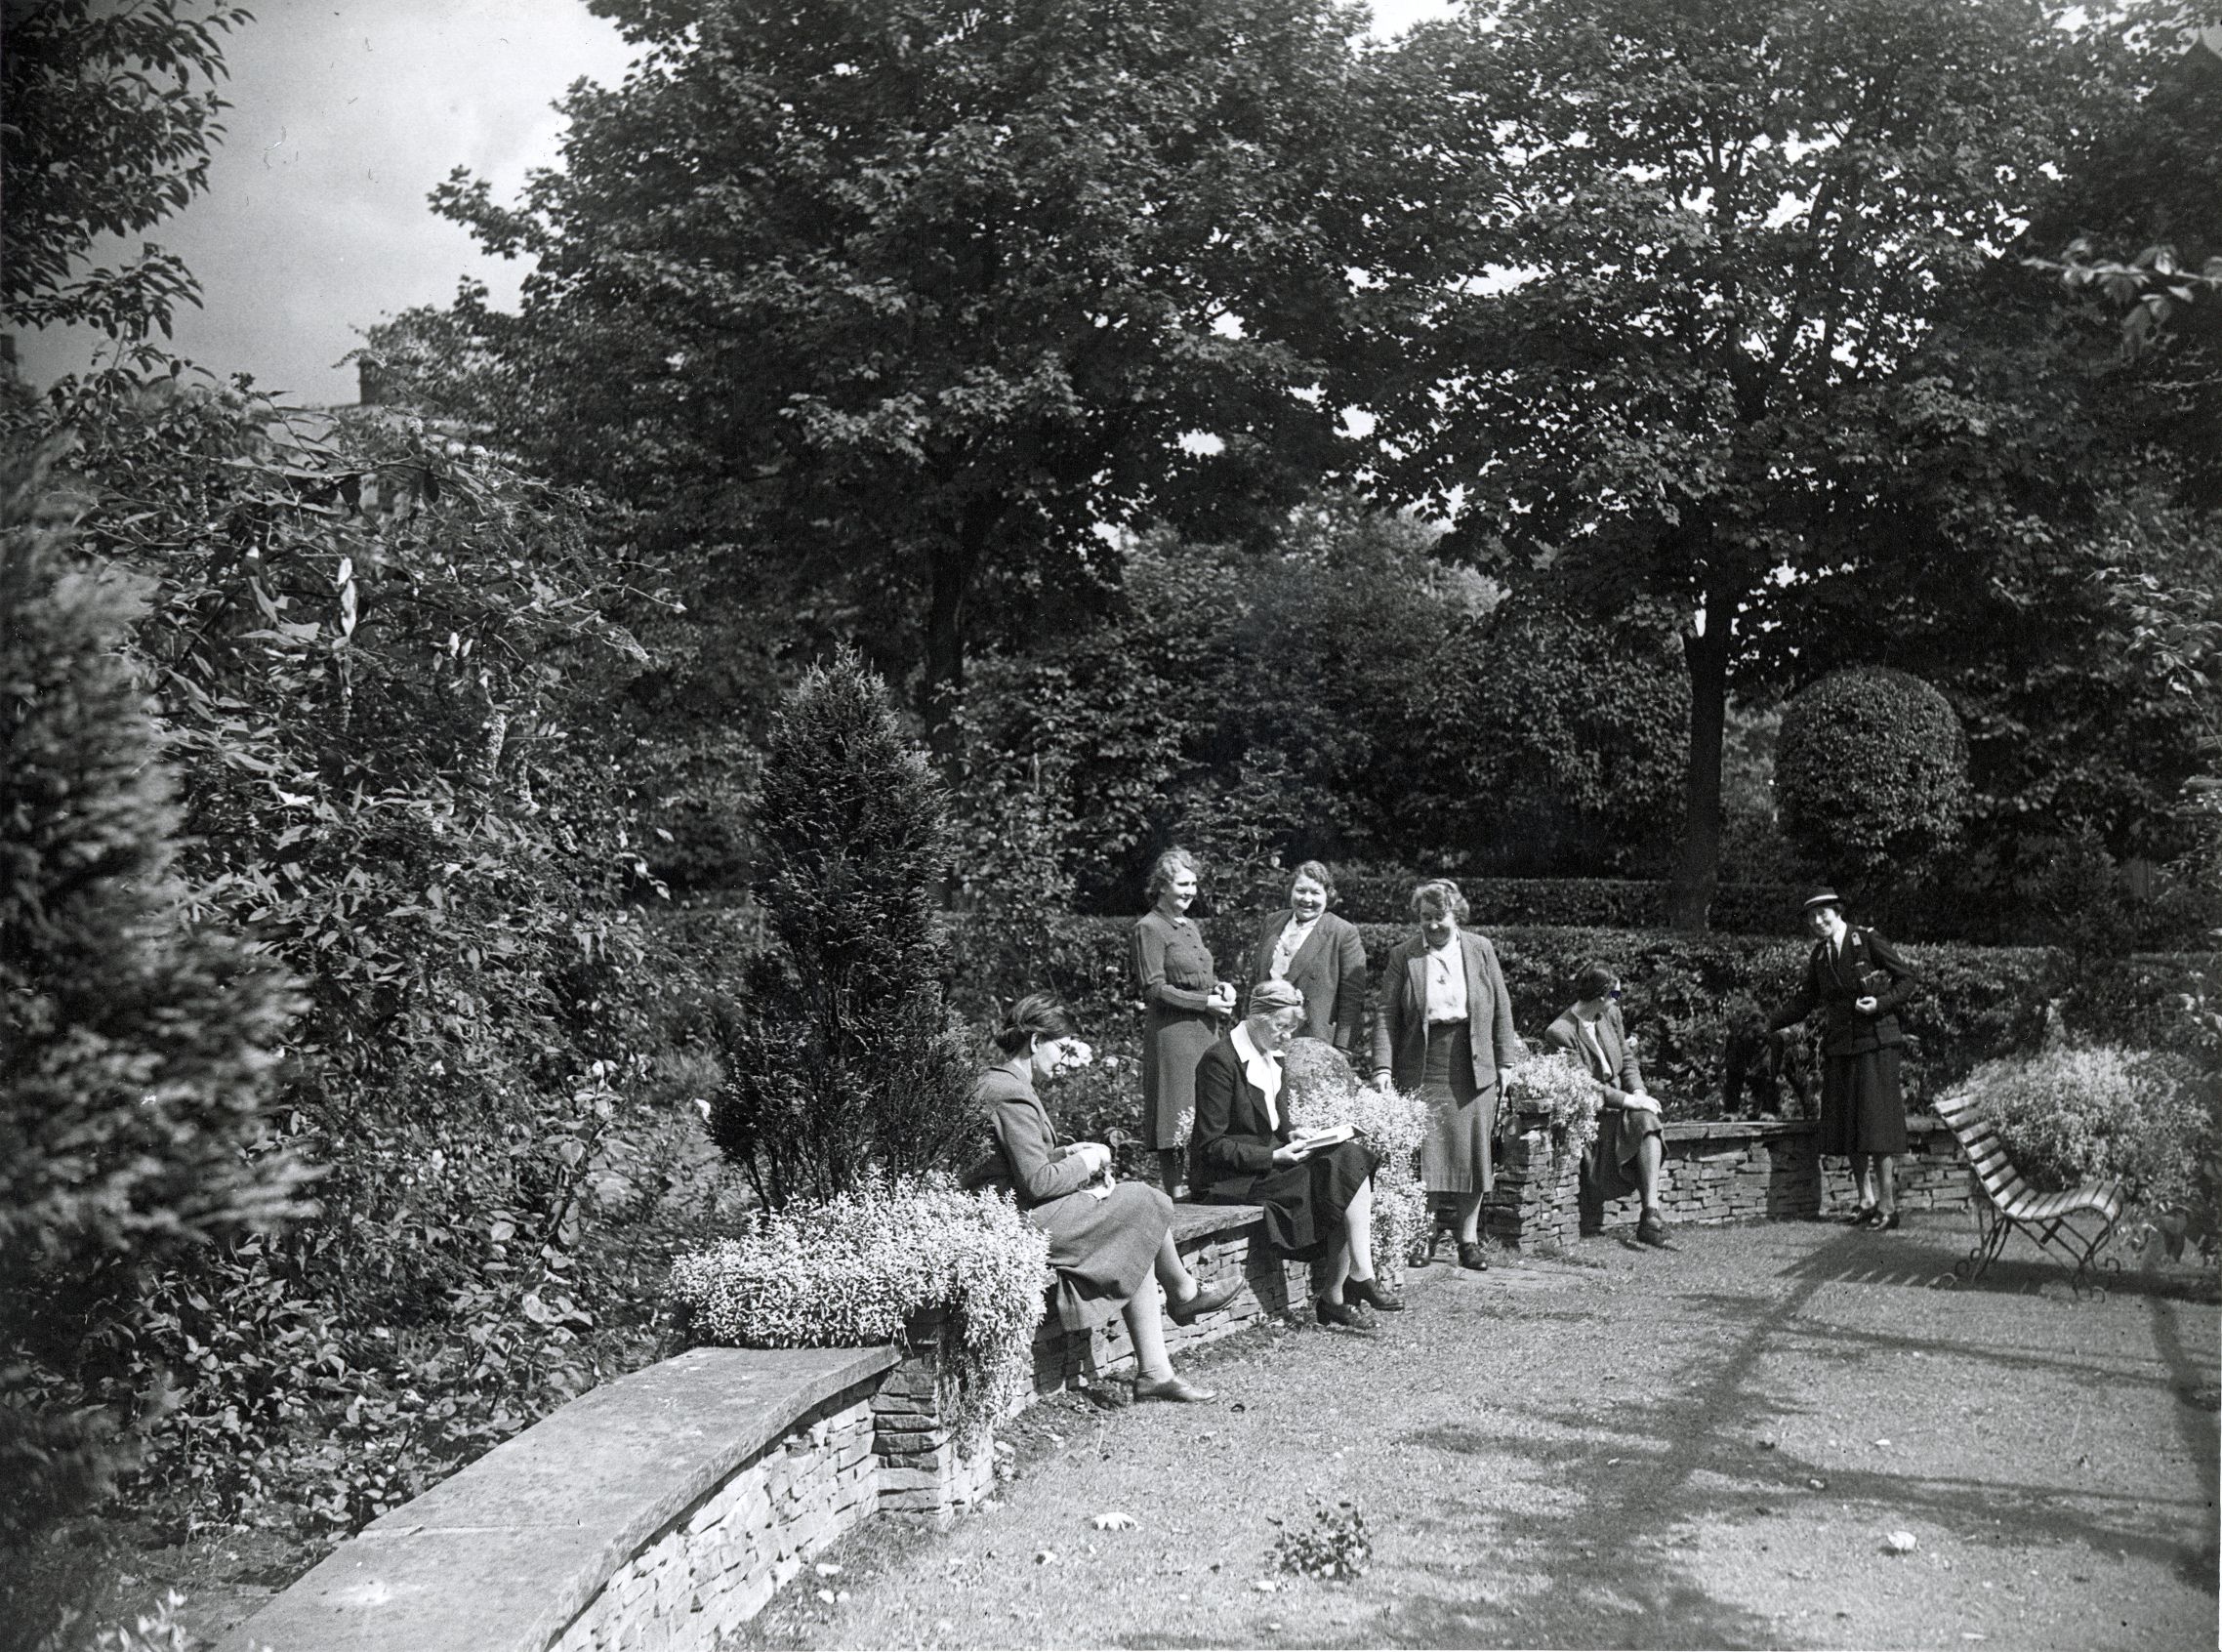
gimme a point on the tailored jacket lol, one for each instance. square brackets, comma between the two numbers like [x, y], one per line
[1565, 1033]
[1868, 967]
[1329, 969]
[1023, 1156]
[1400, 1026]
[1234, 1140]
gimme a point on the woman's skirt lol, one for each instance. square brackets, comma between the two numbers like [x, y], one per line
[1861, 1108]
[1173, 1041]
[1608, 1169]
[1102, 1249]
[1457, 1156]
[1304, 1203]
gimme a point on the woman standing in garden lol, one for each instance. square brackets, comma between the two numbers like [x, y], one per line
[1444, 1030]
[1318, 953]
[1857, 982]
[1182, 1004]
[1316, 1196]
[1111, 1243]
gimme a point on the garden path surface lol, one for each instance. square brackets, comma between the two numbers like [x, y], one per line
[1706, 1446]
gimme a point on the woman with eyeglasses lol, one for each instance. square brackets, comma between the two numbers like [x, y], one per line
[1630, 1142]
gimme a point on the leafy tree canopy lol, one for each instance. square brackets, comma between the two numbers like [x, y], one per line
[111, 112]
[892, 306]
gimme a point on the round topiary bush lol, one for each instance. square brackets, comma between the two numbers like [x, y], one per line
[1871, 774]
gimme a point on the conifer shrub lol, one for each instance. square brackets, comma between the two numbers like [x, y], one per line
[136, 1046]
[1871, 773]
[841, 1063]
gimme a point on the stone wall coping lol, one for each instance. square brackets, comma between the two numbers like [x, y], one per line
[1749, 1129]
[1191, 1222]
[502, 1554]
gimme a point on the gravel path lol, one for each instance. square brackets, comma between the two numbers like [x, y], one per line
[1707, 1446]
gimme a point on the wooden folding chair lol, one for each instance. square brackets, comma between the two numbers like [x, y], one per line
[2070, 1227]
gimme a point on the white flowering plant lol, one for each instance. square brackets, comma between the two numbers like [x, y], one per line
[1556, 1084]
[852, 1271]
[1322, 1092]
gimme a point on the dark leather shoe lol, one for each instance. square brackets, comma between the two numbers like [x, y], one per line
[1369, 1290]
[1861, 1217]
[1651, 1228]
[1344, 1315]
[1175, 1388]
[1884, 1223]
[1473, 1254]
[1206, 1298]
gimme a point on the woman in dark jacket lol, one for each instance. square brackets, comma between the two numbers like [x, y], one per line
[1857, 982]
[1444, 1031]
[1182, 1008]
[1630, 1142]
[1318, 953]
[1111, 1243]
[1317, 1199]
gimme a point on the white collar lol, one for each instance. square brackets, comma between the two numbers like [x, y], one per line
[1449, 949]
[1261, 1070]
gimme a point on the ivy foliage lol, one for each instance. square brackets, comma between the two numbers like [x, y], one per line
[1871, 775]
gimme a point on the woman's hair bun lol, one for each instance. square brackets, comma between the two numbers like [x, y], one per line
[1036, 1016]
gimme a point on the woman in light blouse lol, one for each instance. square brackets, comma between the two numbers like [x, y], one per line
[1444, 1030]
[1318, 953]
[1315, 1193]
[1183, 1005]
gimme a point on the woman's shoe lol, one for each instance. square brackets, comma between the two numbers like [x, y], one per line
[1861, 1217]
[1884, 1223]
[1651, 1228]
[1206, 1298]
[1342, 1314]
[1369, 1290]
[1173, 1387]
[1473, 1254]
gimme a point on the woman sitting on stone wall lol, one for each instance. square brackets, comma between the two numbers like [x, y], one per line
[1316, 1192]
[1110, 1242]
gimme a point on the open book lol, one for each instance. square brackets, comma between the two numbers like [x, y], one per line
[1319, 1140]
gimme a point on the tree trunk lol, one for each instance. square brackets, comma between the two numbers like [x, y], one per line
[1697, 868]
[950, 567]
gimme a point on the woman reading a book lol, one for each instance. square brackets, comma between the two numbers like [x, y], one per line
[1316, 1188]
[1110, 1241]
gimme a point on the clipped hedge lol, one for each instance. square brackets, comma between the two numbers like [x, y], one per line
[1368, 894]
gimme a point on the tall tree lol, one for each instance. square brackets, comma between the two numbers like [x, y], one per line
[1680, 327]
[892, 306]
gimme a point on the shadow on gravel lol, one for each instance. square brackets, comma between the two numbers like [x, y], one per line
[1617, 1581]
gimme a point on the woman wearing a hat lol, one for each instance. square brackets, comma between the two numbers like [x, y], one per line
[1317, 1198]
[1857, 982]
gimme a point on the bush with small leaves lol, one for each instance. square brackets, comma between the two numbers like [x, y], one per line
[854, 1269]
[1871, 773]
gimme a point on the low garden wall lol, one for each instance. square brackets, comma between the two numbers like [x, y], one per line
[1712, 1171]
[664, 1508]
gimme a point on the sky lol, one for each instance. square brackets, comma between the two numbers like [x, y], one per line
[345, 114]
